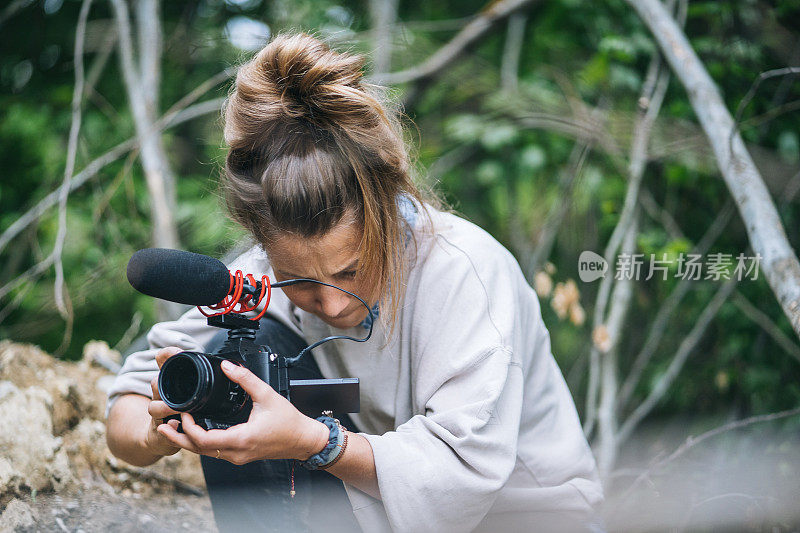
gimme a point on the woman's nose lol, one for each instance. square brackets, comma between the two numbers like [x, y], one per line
[332, 302]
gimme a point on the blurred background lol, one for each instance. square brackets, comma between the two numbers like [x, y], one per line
[556, 125]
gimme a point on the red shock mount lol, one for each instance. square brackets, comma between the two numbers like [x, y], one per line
[232, 303]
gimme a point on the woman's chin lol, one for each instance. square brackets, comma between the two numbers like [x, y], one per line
[346, 322]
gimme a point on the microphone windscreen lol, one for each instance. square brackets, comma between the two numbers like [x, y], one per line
[179, 276]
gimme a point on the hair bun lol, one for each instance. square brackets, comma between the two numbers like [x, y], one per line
[303, 77]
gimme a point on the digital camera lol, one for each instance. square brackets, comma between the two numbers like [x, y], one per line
[193, 382]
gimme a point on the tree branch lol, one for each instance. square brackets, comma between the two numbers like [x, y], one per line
[764, 228]
[94, 167]
[687, 345]
[32, 273]
[606, 411]
[665, 311]
[762, 319]
[659, 214]
[555, 217]
[515, 38]
[100, 61]
[691, 442]
[72, 149]
[493, 13]
[148, 26]
[653, 92]
[153, 157]
[751, 94]
[383, 14]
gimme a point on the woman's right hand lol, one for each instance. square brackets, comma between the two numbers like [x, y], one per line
[154, 441]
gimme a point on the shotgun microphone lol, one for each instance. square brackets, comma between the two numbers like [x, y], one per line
[179, 276]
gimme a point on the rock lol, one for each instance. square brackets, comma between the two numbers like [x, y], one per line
[32, 457]
[72, 387]
[52, 432]
[16, 515]
[98, 353]
[86, 446]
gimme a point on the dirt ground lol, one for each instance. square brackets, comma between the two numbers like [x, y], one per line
[101, 509]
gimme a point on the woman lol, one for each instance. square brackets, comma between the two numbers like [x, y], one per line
[466, 422]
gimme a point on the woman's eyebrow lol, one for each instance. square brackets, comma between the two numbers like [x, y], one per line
[348, 268]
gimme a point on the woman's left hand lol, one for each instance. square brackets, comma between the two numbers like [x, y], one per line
[275, 429]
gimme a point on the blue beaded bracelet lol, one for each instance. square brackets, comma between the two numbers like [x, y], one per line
[331, 450]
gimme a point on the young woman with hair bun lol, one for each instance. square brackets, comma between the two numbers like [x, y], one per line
[466, 423]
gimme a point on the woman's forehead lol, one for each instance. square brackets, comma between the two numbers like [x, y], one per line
[330, 253]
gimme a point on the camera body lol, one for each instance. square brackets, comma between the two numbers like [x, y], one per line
[193, 382]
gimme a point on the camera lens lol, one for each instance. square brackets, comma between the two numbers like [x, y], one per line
[194, 382]
[182, 383]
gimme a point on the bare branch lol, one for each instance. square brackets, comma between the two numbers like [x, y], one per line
[108, 194]
[94, 167]
[583, 130]
[687, 345]
[762, 319]
[606, 410]
[555, 217]
[659, 214]
[652, 96]
[515, 38]
[691, 442]
[195, 94]
[72, 148]
[100, 61]
[665, 311]
[672, 139]
[127, 337]
[653, 92]
[51, 199]
[156, 168]
[383, 14]
[13, 8]
[764, 228]
[67, 337]
[493, 13]
[8, 309]
[32, 273]
[751, 94]
[148, 26]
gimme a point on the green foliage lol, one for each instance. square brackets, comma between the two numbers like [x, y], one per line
[477, 139]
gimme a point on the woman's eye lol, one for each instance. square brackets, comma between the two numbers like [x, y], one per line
[349, 274]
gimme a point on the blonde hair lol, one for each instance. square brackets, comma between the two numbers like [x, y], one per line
[310, 142]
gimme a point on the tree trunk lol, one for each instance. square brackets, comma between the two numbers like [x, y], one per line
[383, 14]
[141, 84]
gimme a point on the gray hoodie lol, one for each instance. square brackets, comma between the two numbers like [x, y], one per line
[467, 413]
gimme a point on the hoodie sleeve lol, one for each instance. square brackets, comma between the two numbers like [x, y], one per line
[442, 469]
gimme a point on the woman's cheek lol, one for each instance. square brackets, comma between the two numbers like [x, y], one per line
[301, 298]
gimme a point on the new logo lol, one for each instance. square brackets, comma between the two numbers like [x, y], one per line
[591, 266]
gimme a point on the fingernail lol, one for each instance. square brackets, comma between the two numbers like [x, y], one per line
[227, 365]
